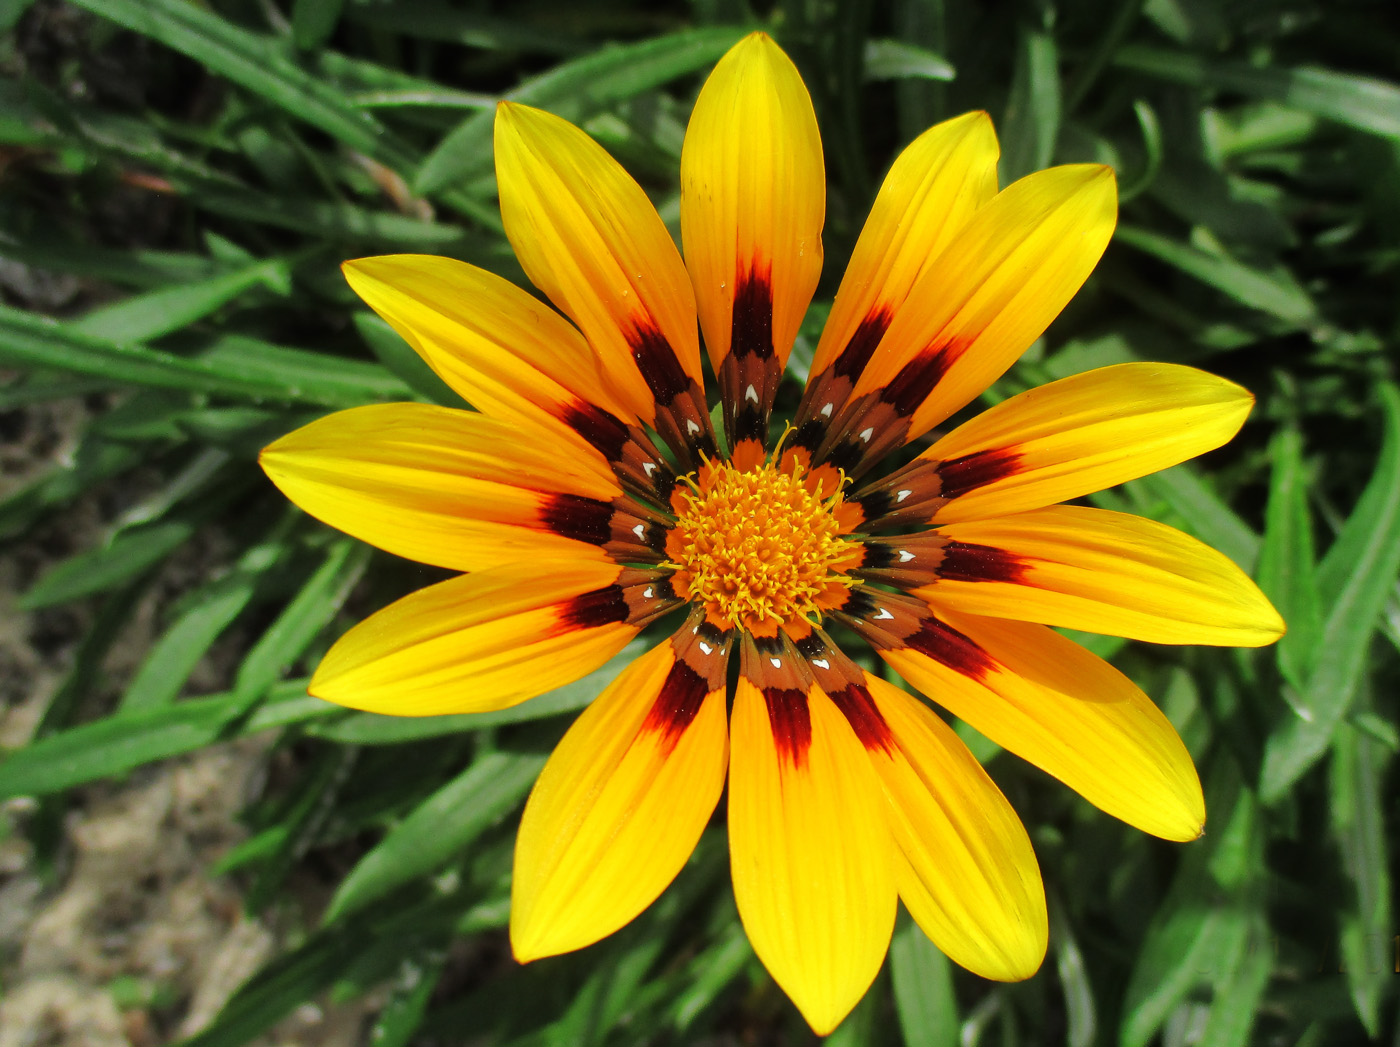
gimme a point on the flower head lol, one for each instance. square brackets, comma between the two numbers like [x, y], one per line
[591, 496]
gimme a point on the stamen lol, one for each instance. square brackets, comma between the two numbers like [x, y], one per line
[757, 549]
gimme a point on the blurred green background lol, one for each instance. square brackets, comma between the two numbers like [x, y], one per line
[178, 183]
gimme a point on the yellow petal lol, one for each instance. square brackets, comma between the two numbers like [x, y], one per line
[620, 804]
[1101, 572]
[587, 236]
[934, 187]
[1063, 440]
[810, 851]
[490, 341]
[991, 292]
[753, 197]
[481, 641]
[439, 486]
[969, 877]
[1048, 700]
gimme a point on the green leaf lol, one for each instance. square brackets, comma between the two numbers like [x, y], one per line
[258, 64]
[314, 21]
[398, 356]
[1357, 101]
[207, 613]
[575, 90]
[156, 313]
[97, 570]
[1239, 997]
[127, 740]
[922, 978]
[439, 827]
[1358, 772]
[27, 340]
[897, 60]
[376, 729]
[302, 620]
[1031, 124]
[1202, 512]
[1287, 562]
[1273, 292]
[1357, 574]
[303, 375]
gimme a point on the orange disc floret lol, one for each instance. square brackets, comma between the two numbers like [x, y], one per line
[757, 549]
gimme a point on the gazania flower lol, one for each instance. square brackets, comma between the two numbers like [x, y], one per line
[592, 495]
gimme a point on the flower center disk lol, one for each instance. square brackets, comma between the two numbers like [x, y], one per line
[758, 549]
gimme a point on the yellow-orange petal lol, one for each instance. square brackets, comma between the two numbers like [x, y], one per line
[753, 198]
[1063, 440]
[810, 851]
[481, 641]
[1102, 572]
[931, 192]
[991, 292]
[1048, 700]
[440, 486]
[621, 803]
[500, 348]
[968, 875]
[587, 236]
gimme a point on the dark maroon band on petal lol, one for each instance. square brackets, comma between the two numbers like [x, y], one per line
[908, 389]
[969, 562]
[947, 646]
[657, 360]
[602, 431]
[598, 608]
[791, 721]
[677, 704]
[577, 517]
[960, 475]
[861, 713]
[751, 324]
[852, 360]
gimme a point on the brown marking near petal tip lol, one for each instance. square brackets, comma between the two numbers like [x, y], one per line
[844, 682]
[593, 610]
[751, 324]
[701, 654]
[915, 560]
[866, 431]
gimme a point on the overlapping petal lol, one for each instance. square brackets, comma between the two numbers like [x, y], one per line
[587, 236]
[811, 858]
[967, 872]
[503, 350]
[1067, 711]
[1102, 572]
[991, 292]
[926, 200]
[619, 806]
[480, 641]
[441, 486]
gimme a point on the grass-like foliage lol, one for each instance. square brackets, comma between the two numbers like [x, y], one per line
[200, 169]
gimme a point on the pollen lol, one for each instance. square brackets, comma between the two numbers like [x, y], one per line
[758, 549]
